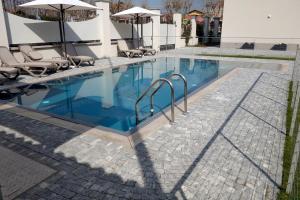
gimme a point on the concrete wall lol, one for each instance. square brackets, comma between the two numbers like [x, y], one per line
[168, 34]
[21, 30]
[38, 31]
[107, 49]
[264, 22]
[16, 30]
[3, 30]
[194, 39]
[162, 33]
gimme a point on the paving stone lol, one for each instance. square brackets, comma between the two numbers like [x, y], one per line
[229, 146]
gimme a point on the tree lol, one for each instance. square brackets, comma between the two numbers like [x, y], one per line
[120, 5]
[187, 5]
[173, 6]
[145, 4]
[187, 30]
[181, 6]
[214, 8]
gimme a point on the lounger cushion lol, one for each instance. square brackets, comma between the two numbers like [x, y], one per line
[35, 55]
[136, 51]
[55, 61]
[82, 58]
[35, 64]
[8, 70]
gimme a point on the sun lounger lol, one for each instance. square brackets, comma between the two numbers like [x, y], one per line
[148, 51]
[124, 50]
[8, 60]
[145, 50]
[9, 73]
[31, 55]
[76, 59]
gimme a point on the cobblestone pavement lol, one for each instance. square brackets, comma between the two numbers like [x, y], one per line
[233, 51]
[229, 146]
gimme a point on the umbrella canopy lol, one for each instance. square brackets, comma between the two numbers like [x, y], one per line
[136, 12]
[60, 6]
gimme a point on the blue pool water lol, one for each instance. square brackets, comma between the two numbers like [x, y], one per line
[107, 99]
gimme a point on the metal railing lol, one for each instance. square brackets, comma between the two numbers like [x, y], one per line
[185, 92]
[146, 92]
[162, 81]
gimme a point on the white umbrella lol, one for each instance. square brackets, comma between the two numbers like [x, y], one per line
[60, 6]
[136, 12]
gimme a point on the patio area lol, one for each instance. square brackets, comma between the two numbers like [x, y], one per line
[230, 144]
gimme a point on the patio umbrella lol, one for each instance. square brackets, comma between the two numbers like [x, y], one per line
[137, 13]
[60, 6]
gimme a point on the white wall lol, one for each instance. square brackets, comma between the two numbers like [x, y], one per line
[24, 30]
[122, 30]
[194, 39]
[177, 17]
[21, 30]
[3, 31]
[168, 34]
[245, 20]
[104, 31]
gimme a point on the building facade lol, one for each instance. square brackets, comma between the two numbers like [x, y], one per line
[264, 23]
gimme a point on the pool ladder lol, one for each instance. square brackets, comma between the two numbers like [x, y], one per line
[162, 81]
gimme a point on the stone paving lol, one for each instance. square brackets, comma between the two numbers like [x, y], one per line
[229, 146]
[233, 51]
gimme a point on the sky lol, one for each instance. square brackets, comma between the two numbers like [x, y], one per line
[198, 4]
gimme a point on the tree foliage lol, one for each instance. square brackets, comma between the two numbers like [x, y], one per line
[214, 8]
[120, 5]
[145, 4]
[180, 6]
[187, 30]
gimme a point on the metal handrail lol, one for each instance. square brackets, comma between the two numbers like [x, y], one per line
[185, 91]
[164, 80]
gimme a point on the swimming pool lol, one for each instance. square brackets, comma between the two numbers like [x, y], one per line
[107, 98]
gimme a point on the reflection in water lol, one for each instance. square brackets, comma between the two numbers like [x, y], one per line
[108, 98]
[18, 93]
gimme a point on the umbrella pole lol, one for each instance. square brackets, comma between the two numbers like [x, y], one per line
[142, 32]
[61, 32]
[64, 34]
[132, 30]
[152, 33]
[138, 35]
